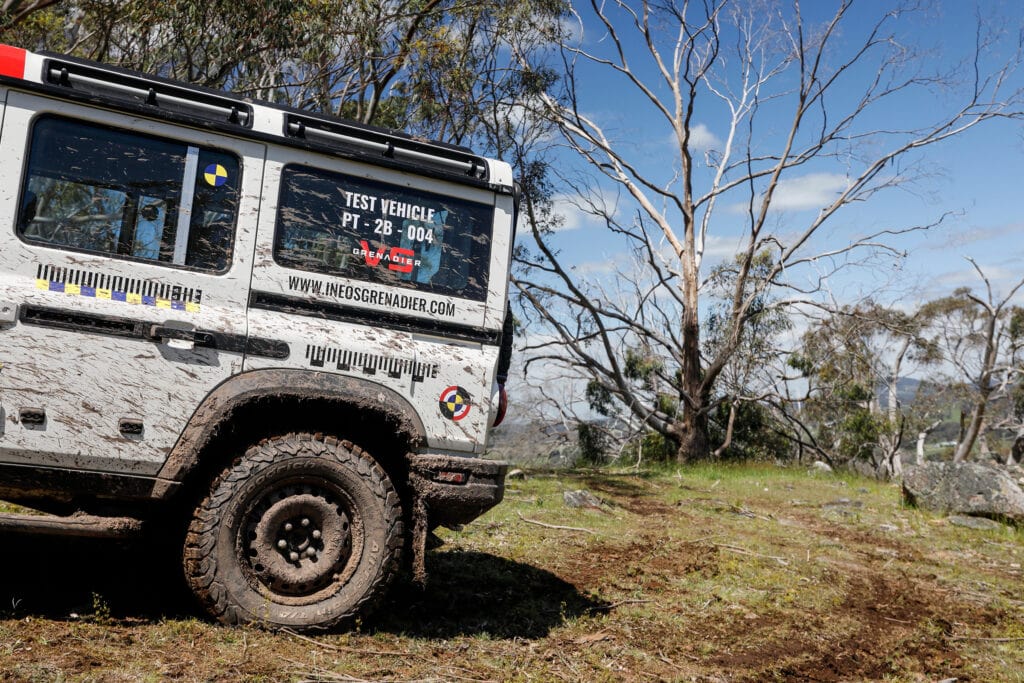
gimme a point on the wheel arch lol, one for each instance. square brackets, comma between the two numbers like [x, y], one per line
[261, 404]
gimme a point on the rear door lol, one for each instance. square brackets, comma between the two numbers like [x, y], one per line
[387, 277]
[125, 259]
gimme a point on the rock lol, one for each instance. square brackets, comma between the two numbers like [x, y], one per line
[843, 503]
[980, 523]
[581, 499]
[964, 488]
[516, 474]
[819, 466]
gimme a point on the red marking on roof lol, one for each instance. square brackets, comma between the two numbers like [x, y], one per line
[12, 61]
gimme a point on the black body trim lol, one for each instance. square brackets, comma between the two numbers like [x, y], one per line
[280, 303]
[92, 323]
[20, 482]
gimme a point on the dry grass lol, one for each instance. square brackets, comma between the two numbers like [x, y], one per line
[710, 574]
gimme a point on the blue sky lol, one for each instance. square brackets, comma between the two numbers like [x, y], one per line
[976, 178]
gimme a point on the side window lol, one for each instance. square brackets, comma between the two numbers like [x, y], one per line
[100, 190]
[358, 228]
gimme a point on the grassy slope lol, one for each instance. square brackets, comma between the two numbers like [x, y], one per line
[706, 574]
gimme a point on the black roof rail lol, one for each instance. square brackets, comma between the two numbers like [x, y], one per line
[154, 92]
[342, 136]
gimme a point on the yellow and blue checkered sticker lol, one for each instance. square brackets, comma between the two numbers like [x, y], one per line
[454, 403]
[215, 175]
[114, 295]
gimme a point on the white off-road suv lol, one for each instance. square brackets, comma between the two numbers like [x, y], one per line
[284, 333]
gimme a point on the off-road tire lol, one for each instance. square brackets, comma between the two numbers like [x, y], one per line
[245, 554]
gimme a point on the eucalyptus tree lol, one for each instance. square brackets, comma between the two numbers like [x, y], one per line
[852, 358]
[14, 12]
[981, 338]
[740, 103]
[438, 68]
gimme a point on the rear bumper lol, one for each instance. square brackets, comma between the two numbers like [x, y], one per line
[456, 490]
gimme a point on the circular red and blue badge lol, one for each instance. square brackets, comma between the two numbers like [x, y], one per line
[454, 403]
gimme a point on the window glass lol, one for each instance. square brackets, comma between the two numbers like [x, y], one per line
[353, 227]
[96, 189]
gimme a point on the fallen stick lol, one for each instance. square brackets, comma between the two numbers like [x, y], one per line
[628, 602]
[555, 526]
[743, 551]
[342, 648]
[991, 640]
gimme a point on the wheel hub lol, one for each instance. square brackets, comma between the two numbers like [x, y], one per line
[299, 542]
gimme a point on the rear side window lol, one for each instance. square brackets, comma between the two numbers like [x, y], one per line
[353, 227]
[100, 190]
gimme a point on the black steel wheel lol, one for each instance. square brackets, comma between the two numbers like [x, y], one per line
[303, 532]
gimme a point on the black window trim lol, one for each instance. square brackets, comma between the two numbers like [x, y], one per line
[23, 185]
[492, 207]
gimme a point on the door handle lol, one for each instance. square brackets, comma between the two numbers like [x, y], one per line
[180, 338]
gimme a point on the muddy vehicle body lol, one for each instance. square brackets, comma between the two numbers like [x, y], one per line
[285, 335]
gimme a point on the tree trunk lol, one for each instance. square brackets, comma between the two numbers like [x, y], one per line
[963, 449]
[921, 436]
[983, 448]
[693, 442]
[1016, 456]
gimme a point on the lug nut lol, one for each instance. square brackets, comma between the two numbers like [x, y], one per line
[305, 521]
[282, 544]
[288, 526]
[310, 552]
[293, 556]
[316, 533]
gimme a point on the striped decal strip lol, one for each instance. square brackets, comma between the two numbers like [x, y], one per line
[117, 288]
[370, 364]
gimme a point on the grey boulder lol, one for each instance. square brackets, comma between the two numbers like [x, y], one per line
[965, 488]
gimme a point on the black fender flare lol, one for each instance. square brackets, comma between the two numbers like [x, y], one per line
[282, 384]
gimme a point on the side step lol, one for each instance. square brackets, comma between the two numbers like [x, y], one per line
[82, 525]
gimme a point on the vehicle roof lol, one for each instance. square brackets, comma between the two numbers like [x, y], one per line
[153, 96]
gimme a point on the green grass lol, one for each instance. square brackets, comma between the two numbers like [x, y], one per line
[745, 573]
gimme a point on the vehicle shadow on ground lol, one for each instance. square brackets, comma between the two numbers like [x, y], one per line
[473, 593]
[468, 593]
[67, 578]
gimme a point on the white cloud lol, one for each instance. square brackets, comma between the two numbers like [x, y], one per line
[570, 28]
[701, 139]
[961, 237]
[523, 117]
[721, 248]
[574, 217]
[968, 277]
[812, 191]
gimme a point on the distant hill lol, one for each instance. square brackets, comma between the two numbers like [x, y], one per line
[906, 392]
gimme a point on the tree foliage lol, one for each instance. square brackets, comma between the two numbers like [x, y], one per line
[438, 68]
[751, 97]
[980, 337]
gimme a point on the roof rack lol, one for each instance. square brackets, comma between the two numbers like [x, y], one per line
[194, 102]
[347, 137]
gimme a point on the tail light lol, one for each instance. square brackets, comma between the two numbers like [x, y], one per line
[502, 406]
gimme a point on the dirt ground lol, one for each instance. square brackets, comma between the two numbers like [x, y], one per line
[705, 575]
